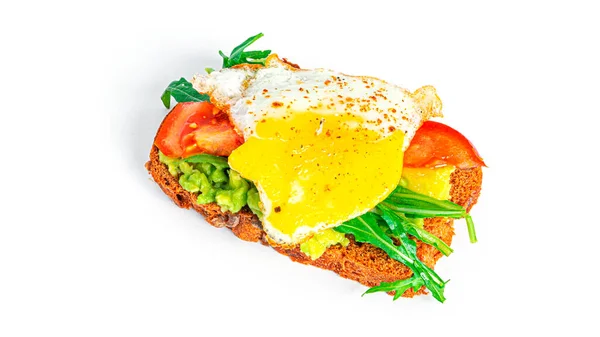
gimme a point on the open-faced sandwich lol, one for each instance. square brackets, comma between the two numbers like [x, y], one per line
[341, 172]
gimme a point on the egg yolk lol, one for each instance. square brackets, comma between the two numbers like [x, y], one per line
[316, 171]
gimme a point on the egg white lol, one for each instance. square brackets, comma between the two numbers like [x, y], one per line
[251, 94]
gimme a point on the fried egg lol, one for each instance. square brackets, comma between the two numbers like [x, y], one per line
[321, 147]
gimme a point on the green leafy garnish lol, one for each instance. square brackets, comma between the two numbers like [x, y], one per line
[398, 222]
[366, 228]
[182, 91]
[471, 228]
[399, 286]
[239, 56]
[416, 205]
[431, 279]
[395, 218]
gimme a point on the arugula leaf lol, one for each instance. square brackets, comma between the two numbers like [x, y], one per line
[239, 56]
[402, 200]
[394, 220]
[399, 286]
[182, 91]
[365, 228]
[418, 205]
[432, 280]
[471, 228]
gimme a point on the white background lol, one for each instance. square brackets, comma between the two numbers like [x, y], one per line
[90, 246]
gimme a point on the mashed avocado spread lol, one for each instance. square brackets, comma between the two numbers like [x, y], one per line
[316, 245]
[214, 181]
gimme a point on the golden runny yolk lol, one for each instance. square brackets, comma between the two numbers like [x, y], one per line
[318, 170]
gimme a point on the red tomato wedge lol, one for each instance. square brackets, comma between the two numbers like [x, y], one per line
[436, 144]
[196, 127]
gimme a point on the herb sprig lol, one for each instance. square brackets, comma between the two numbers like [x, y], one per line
[399, 286]
[399, 222]
[366, 228]
[183, 91]
[415, 205]
[239, 56]
[391, 219]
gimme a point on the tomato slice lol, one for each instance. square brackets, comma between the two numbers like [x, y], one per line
[196, 127]
[436, 144]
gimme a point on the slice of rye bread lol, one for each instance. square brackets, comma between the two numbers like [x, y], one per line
[361, 262]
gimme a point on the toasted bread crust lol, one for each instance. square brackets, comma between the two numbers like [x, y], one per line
[361, 262]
